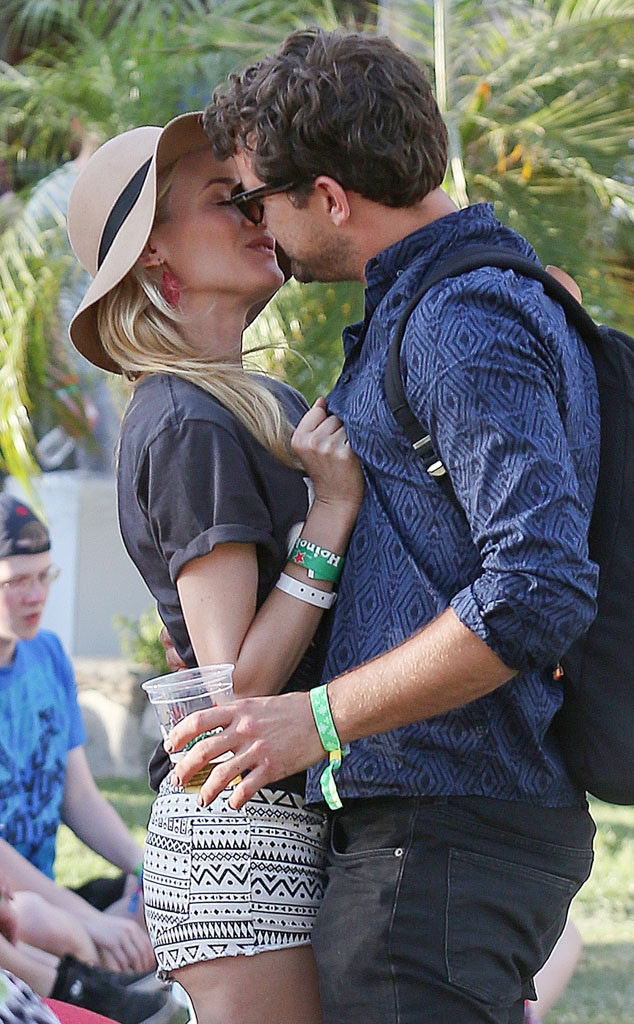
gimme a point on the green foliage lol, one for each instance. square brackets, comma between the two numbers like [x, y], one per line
[602, 989]
[110, 66]
[298, 336]
[539, 98]
[538, 95]
[29, 285]
[140, 642]
[119, 64]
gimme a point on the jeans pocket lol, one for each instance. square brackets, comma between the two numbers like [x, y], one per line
[368, 828]
[352, 932]
[502, 920]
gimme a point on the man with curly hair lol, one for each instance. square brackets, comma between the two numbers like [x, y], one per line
[461, 838]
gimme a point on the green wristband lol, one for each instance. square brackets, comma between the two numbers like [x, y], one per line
[320, 563]
[330, 741]
[323, 718]
[327, 781]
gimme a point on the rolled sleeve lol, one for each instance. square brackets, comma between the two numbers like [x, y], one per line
[495, 417]
[191, 512]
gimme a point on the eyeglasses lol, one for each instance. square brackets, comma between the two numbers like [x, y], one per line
[250, 202]
[19, 585]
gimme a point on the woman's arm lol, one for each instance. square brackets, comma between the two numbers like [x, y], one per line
[218, 591]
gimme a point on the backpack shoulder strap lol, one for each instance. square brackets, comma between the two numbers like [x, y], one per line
[472, 258]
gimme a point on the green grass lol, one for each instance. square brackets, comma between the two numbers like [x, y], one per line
[602, 988]
[75, 863]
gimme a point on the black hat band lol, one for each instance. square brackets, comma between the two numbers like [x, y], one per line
[121, 210]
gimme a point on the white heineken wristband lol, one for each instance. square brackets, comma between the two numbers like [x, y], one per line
[318, 598]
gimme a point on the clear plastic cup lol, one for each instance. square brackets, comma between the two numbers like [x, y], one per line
[176, 695]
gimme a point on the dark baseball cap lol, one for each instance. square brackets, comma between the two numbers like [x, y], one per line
[21, 532]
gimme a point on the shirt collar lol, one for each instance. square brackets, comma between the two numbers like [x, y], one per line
[475, 224]
[425, 246]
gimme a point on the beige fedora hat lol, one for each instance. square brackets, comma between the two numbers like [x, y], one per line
[111, 212]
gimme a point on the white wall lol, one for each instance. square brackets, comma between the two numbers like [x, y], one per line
[98, 580]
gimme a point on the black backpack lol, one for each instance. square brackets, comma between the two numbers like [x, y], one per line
[596, 721]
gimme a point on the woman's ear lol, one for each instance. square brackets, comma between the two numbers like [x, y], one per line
[150, 257]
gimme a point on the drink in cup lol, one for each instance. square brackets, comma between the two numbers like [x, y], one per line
[176, 695]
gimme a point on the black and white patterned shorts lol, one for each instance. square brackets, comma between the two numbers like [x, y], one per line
[219, 882]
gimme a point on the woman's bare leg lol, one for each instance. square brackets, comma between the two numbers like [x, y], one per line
[276, 987]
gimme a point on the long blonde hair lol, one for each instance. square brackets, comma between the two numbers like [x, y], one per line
[140, 331]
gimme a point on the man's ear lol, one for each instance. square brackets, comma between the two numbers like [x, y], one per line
[334, 198]
[150, 257]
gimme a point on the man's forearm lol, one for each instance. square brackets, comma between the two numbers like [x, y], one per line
[442, 667]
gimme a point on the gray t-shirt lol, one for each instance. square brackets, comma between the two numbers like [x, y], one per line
[191, 476]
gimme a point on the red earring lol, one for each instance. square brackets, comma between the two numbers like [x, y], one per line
[170, 288]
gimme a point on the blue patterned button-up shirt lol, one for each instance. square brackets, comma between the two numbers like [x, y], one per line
[509, 395]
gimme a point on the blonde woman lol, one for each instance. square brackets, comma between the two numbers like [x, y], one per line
[212, 497]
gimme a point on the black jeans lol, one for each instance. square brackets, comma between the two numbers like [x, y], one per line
[441, 910]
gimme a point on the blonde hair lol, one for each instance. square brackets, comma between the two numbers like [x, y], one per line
[140, 332]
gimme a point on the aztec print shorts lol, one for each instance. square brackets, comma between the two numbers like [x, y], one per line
[219, 882]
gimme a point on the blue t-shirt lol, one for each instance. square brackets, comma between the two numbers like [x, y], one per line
[40, 721]
[509, 395]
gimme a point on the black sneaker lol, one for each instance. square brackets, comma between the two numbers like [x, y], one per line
[94, 988]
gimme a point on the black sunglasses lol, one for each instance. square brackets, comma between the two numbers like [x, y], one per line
[250, 202]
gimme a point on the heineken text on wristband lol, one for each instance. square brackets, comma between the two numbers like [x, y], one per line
[320, 563]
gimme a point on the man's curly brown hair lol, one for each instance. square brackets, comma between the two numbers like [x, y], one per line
[351, 106]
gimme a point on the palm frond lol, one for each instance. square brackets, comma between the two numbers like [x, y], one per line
[29, 286]
[298, 335]
[539, 100]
